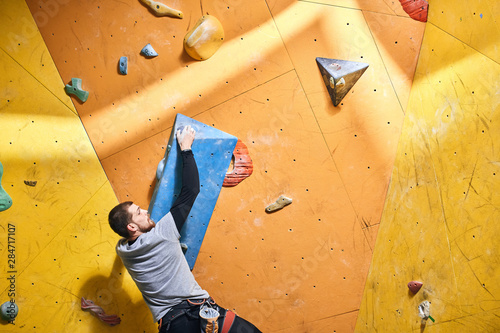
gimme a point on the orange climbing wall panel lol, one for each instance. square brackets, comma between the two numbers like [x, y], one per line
[303, 268]
[88, 38]
[362, 133]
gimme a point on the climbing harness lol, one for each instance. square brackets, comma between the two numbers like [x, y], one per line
[208, 314]
[228, 321]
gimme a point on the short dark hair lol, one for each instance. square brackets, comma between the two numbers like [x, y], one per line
[119, 218]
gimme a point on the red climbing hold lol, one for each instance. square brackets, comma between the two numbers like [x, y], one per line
[243, 166]
[414, 286]
[97, 311]
[416, 9]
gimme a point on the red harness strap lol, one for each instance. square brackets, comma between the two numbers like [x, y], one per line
[228, 321]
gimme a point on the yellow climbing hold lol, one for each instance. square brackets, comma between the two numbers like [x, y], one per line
[205, 38]
[161, 9]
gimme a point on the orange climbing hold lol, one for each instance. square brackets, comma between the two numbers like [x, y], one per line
[417, 9]
[243, 166]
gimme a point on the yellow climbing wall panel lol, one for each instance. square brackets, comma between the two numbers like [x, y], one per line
[20, 39]
[475, 23]
[58, 227]
[440, 222]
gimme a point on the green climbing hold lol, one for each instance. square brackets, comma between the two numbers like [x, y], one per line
[8, 311]
[5, 200]
[76, 89]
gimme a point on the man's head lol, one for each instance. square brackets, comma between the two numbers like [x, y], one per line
[129, 220]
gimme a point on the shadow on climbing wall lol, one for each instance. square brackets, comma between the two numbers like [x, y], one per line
[108, 293]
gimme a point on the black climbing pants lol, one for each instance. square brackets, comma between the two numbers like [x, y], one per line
[185, 318]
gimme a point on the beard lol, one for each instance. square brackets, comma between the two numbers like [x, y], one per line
[151, 225]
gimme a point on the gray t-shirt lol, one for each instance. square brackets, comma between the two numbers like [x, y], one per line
[157, 265]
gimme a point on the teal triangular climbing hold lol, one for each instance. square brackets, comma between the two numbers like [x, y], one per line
[213, 150]
[340, 76]
[5, 200]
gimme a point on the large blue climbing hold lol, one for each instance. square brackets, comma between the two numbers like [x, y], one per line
[213, 150]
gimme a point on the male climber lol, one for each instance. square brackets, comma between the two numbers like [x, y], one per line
[152, 254]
